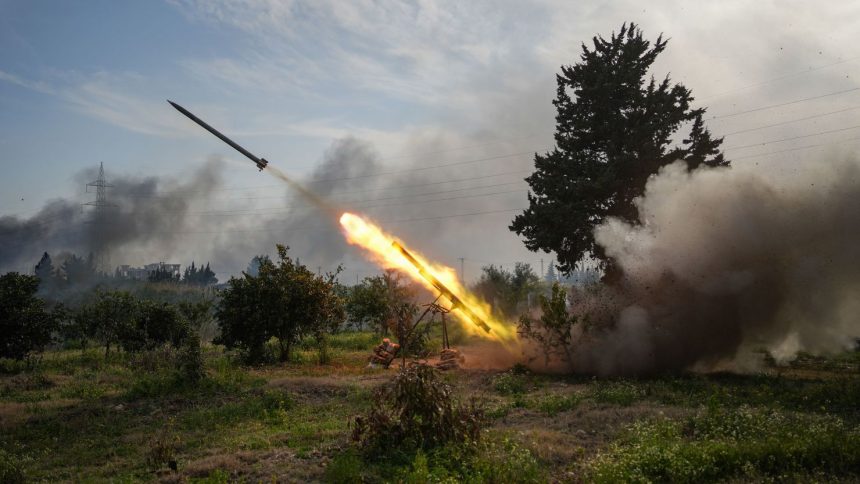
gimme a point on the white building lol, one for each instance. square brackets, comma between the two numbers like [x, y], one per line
[142, 273]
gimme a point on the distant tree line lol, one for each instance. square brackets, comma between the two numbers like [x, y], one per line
[77, 270]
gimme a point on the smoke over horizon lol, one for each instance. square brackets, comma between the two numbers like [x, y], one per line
[146, 218]
[728, 262]
[197, 218]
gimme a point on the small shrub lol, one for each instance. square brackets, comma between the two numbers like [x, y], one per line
[153, 385]
[505, 461]
[345, 468]
[417, 411]
[554, 403]
[553, 330]
[162, 449]
[621, 393]
[322, 346]
[190, 360]
[510, 383]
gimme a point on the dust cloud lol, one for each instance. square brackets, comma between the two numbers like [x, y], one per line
[728, 262]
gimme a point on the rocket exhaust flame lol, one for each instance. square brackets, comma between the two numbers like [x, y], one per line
[391, 253]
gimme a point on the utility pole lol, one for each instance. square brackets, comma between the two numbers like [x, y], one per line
[463, 270]
[101, 205]
[542, 273]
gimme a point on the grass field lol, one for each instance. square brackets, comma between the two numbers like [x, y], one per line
[78, 417]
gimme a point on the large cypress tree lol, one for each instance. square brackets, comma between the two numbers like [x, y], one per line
[615, 128]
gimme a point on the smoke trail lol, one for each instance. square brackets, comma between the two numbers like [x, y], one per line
[343, 168]
[728, 261]
[308, 195]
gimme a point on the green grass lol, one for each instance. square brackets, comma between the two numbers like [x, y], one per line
[79, 416]
[497, 459]
[716, 444]
[88, 417]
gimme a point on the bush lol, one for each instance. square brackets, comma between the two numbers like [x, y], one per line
[417, 411]
[25, 325]
[619, 392]
[163, 448]
[553, 331]
[510, 383]
[554, 404]
[285, 301]
[345, 468]
[191, 368]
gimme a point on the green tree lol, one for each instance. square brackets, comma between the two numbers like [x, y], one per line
[203, 276]
[109, 318]
[506, 290]
[285, 301]
[163, 275]
[78, 270]
[553, 330]
[25, 324]
[45, 272]
[614, 130]
[154, 324]
[378, 301]
[254, 266]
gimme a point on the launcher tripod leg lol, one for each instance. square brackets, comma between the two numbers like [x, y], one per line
[445, 343]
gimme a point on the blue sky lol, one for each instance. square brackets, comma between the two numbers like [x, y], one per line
[420, 83]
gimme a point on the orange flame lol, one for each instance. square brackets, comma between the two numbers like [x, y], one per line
[365, 234]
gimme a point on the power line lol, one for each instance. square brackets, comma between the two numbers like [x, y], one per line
[793, 138]
[798, 148]
[409, 198]
[779, 78]
[384, 173]
[796, 101]
[793, 121]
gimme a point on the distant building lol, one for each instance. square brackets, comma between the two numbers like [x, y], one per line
[142, 273]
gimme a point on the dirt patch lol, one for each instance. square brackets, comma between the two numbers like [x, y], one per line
[281, 465]
[14, 413]
[327, 387]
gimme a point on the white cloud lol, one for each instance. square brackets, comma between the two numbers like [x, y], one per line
[111, 98]
[26, 83]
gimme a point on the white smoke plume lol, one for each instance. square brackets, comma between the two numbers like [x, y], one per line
[727, 262]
